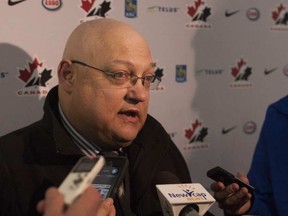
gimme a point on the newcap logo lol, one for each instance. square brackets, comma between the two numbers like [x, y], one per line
[32, 78]
[199, 13]
[189, 192]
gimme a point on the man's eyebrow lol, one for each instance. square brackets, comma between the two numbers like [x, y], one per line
[128, 63]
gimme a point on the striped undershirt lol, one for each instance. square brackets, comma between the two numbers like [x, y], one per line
[88, 148]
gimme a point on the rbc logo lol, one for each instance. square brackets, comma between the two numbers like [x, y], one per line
[131, 8]
[181, 73]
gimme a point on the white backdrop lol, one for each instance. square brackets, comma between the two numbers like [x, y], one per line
[222, 61]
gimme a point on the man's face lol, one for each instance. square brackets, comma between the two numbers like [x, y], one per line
[104, 112]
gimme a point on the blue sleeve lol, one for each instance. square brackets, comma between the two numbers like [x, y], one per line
[269, 168]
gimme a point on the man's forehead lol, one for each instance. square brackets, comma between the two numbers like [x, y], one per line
[128, 63]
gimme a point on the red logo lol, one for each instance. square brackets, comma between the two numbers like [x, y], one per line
[199, 14]
[31, 77]
[92, 11]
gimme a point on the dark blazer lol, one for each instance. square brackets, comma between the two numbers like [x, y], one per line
[41, 155]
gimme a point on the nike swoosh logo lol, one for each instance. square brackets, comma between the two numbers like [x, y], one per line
[266, 72]
[228, 14]
[12, 3]
[225, 131]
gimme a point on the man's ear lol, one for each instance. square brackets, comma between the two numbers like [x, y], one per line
[66, 75]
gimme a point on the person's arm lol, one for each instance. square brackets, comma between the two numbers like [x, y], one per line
[232, 199]
[88, 204]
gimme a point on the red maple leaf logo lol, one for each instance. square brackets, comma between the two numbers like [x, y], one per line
[276, 14]
[190, 132]
[236, 70]
[193, 9]
[25, 74]
[87, 5]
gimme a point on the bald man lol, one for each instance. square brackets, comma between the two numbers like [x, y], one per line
[100, 104]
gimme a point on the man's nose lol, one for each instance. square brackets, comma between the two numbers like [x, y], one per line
[138, 91]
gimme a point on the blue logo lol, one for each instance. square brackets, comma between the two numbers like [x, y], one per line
[181, 73]
[131, 8]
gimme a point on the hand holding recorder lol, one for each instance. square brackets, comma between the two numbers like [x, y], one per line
[88, 204]
[80, 177]
[233, 193]
[78, 182]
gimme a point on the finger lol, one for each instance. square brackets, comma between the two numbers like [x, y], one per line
[242, 177]
[217, 186]
[86, 204]
[240, 197]
[228, 191]
[106, 208]
[40, 206]
[237, 201]
[112, 211]
[54, 202]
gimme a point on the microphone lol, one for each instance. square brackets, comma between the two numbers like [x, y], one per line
[182, 199]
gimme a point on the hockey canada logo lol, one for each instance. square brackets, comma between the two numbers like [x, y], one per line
[94, 10]
[159, 73]
[199, 14]
[196, 135]
[241, 73]
[280, 18]
[34, 80]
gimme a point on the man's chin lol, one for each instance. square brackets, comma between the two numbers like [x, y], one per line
[123, 142]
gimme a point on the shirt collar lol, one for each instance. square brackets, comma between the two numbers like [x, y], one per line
[87, 147]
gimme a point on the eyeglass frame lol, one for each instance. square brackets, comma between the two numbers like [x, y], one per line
[133, 78]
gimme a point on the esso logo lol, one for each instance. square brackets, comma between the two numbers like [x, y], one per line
[253, 14]
[249, 127]
[52, 4]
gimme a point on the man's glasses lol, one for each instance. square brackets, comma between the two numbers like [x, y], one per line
[123, 79]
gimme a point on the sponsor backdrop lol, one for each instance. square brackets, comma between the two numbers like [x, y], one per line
[222, 62]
